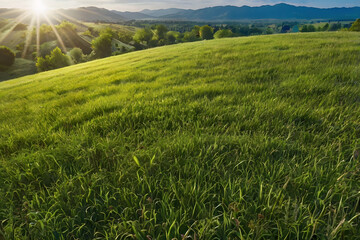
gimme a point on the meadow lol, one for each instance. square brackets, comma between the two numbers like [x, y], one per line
[241, 138]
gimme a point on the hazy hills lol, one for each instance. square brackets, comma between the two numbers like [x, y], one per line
[85, 14]
[279, 11]
[219, 13]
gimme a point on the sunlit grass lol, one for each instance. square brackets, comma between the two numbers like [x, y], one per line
[247, 138]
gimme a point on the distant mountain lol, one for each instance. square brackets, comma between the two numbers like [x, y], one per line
[162, 12]
[279, 11]
[220, 13]
[133, 15]
[91, 14]
[83, 14]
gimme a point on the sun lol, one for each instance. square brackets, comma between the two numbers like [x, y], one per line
[38, 7]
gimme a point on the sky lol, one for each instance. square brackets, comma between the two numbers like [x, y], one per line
[137, 5]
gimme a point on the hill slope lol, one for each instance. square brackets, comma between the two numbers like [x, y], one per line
[253, 137]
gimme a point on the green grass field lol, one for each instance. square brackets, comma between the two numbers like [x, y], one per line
[21, 67]
[246, 138]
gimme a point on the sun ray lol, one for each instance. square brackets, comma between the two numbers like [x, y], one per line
[94, 13]
[37, 35]
[65, 34]
[62, 45]
[12, 26]
[29, 35]
[71, 19]
[7, 13]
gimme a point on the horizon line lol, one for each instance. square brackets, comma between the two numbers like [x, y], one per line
[264, 5]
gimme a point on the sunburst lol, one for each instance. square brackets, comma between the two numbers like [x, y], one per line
[39, 8]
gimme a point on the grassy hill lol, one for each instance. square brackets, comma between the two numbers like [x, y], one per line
[247, 138]
[21, 67]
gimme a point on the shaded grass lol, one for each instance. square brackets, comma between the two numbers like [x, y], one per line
[21, 67]
[248, 138]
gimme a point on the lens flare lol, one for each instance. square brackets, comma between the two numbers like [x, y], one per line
[39, 8]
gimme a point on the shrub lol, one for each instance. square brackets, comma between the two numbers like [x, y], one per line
[76, 55]
[206, 32]
[143, 36]
[308, 28]
[225, 33]
[7, 57]
[102, 45]
[355, 26]
[47, 48]
[190, 37]
[53, 61]
[160, 32]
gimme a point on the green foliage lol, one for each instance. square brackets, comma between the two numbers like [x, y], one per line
[246, 138]
[308, 28]
[355, 27]
[206, 32]
[171, 37]
[102, 45]
[125, 37]
[47, 48]
[7, 57]
[66, 26]
[93, 32]
[20, 47]
[269, 31]
[196, 31]
[325, 27]
[76, 55]
[109, 31]
[160, 32]
[55, 60]
[190, 37]
[144, 35]
[46, 34]
[224, 33]
[335, 27]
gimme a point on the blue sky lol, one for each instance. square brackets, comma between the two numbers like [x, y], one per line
[135, 5]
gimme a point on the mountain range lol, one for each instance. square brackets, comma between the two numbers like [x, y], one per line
[219, 13]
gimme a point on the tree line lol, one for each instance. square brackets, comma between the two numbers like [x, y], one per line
[49, 57]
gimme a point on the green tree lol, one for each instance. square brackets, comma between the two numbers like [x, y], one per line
[171, 37]
[196, 31]
[55, 60]
[160, 32]
[102, 45]
[47, 48]
[125, 37]
[190, 37]
[325, 27]
[66, 26]
[206, 32]
[335, 27]
[144, 35]
[355, 27]
[7, 57]
[76, 55]
[311, 28]
[304, 28]
[224, 33]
